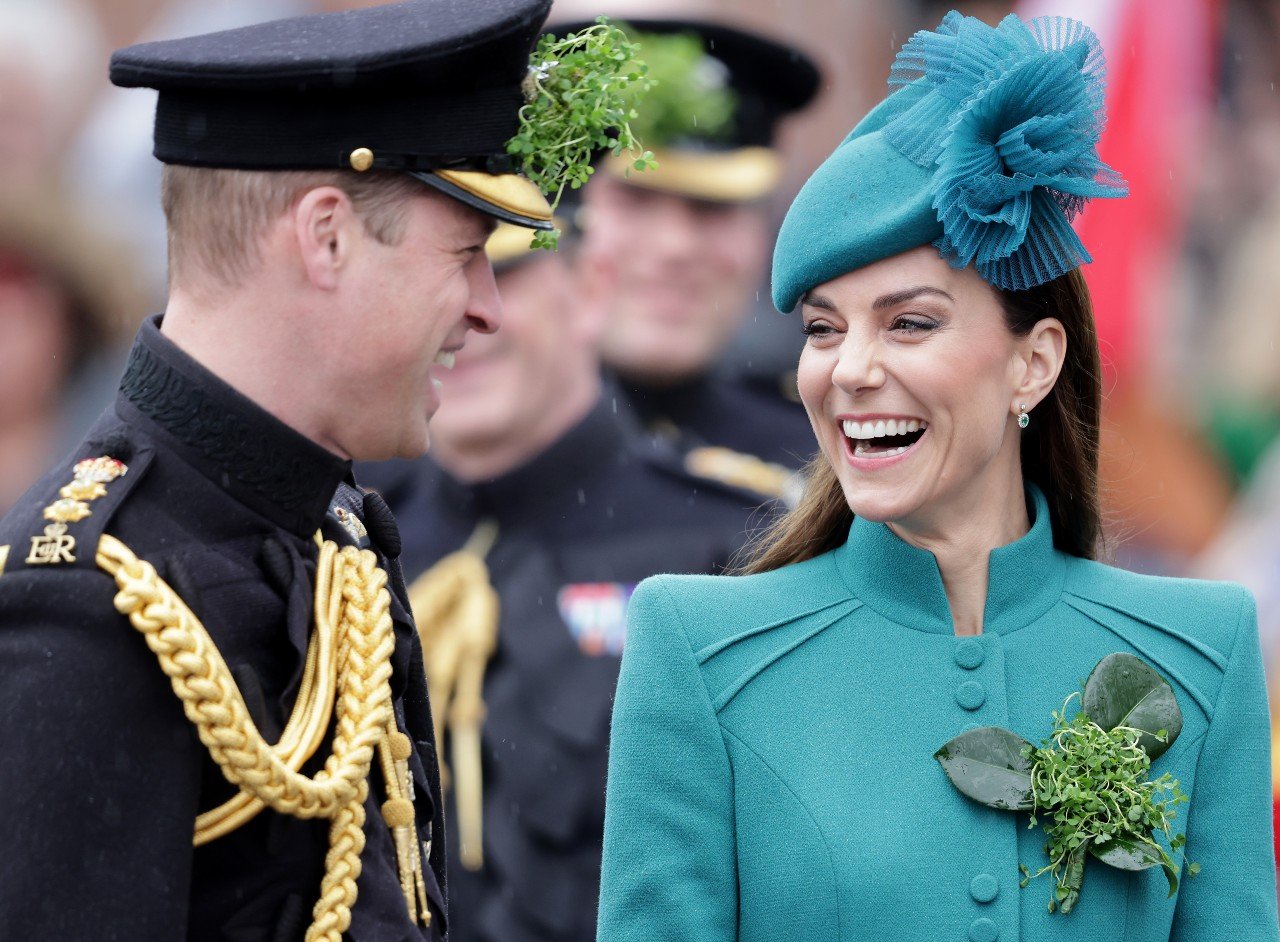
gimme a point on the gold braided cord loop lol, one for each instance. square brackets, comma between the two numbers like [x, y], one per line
[456, 608]
[212, 702]
[309, 720]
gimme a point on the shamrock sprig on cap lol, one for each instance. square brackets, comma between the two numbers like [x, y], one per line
[1088, 783]
[581, 94]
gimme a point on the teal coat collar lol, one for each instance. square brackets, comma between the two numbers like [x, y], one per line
[902, 582]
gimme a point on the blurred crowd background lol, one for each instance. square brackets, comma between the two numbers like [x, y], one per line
[1186, 278]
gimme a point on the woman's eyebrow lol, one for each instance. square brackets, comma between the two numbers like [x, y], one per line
[907, 294]
[818, 301]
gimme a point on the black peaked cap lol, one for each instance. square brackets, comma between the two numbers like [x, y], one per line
[423, 85]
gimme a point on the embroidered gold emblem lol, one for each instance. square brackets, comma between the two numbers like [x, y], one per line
[88, 483]
[56, 546]
[739, 470]
[82, 489]
[4, 558]
[67, 511]
[102, 469]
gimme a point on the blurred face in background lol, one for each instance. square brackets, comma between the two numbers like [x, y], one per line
[518, 390]
[686, 272]
[36, 351]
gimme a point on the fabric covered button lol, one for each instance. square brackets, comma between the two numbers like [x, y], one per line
[983, 930]
[984, 887]
[970, 653]
[971, 694]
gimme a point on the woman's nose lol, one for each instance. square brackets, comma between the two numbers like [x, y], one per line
[858, 367]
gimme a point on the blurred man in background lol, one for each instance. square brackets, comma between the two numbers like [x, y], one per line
[523, 535]
[688, 244]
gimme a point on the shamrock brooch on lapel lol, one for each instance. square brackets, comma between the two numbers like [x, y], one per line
[1087, 784]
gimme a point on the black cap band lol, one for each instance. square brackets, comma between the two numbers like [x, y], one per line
[266, 132]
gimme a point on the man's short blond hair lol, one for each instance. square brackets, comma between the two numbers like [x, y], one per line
[217, 217]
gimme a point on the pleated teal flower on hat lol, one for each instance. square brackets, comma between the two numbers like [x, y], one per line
[987, 150]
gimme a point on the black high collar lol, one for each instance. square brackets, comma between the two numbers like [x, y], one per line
[679, 404]
[562, 475]
[259, 460]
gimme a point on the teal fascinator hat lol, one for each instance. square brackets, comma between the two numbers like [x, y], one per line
[987, 148]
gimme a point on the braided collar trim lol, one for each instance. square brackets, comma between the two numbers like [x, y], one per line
[229, 439]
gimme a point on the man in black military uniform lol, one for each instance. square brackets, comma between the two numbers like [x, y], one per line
[524, 534]
[688, 243]
[330, 182]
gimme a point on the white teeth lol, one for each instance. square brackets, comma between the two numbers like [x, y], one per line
[446, 359]
[881, 428]
[863, 449]
[436, 384]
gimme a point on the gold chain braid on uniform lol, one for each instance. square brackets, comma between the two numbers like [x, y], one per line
[212, 702]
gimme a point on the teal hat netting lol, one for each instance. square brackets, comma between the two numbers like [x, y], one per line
[1005, 122]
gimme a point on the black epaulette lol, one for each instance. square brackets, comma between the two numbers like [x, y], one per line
[62, 527]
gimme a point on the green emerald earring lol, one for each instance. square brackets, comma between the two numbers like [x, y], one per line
[1023, 419]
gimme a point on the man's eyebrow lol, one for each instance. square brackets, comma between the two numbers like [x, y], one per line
[907, 294]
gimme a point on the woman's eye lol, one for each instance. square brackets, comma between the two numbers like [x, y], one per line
[817, 329]
[911, 324]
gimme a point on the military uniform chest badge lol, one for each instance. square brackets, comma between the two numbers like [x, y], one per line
[596, 615]
[352, 524]
[90, 478]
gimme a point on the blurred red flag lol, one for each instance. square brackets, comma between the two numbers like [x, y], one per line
[1160, 58]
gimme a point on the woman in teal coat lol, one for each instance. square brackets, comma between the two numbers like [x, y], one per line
[773, 772]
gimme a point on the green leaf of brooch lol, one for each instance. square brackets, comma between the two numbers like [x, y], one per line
[1087, 784]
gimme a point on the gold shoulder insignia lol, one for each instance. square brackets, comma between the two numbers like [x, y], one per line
[741, 470]
[4, 558]
[88, 483]
[54, 547]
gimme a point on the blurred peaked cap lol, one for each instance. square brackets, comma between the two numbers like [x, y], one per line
[428, 87]
[769, 79]
[42, 228]
[864, 203]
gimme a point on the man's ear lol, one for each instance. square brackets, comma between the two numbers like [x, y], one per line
[326, 228]
[1043, 351]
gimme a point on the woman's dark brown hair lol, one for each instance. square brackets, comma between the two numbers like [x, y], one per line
[1059, 449]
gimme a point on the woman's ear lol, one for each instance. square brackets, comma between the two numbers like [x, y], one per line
[325, 225]
[1042, 353]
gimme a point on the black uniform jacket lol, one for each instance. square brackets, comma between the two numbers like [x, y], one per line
[102, 775]
[578, 527]
[725, 412]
